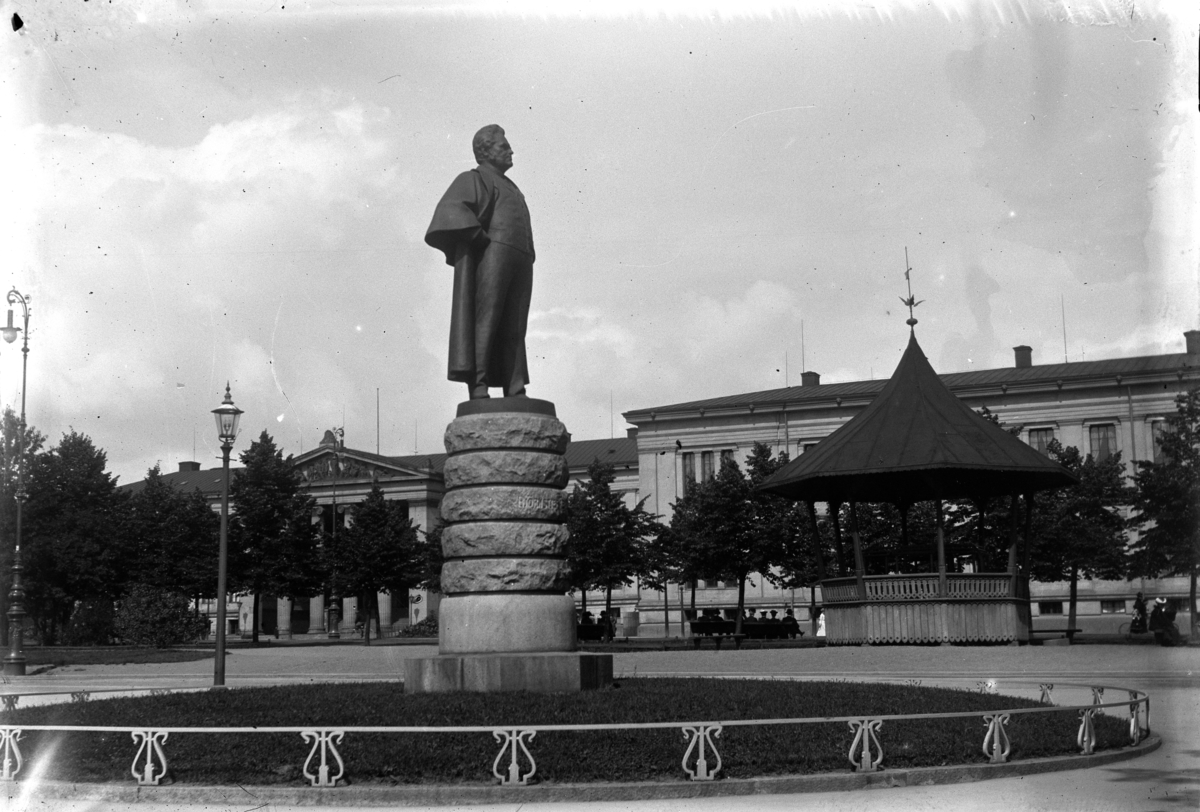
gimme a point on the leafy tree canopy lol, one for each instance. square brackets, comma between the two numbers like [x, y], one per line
[608, 546]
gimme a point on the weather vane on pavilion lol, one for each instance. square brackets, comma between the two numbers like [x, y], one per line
[911, 301]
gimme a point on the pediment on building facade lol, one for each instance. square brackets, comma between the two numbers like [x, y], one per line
[327, 465]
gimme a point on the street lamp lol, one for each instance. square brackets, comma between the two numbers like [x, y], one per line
[227, 416]
[14, 661]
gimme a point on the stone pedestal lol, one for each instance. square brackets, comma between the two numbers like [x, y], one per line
[545, 672]
[505, 622]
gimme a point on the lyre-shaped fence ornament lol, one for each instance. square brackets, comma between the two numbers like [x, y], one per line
[512, 740]
[866, 736]
[995, 743]
[988, 686]
[1047, 687]
[81, 696]
[10, 754]
[1097, 696]
[10, 701]
[325, 741]
[699, 739]
[1086, 739]
[1135, 721]
[150, 755]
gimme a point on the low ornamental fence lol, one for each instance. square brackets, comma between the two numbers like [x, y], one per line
[515, 764]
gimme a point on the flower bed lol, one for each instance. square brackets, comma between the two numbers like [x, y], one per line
[561, 756]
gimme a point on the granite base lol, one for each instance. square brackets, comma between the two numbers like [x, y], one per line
[550, 672]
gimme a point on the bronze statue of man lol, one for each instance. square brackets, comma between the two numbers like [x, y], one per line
[482, 226]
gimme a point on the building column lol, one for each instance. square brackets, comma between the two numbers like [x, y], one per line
[283, 618]
[385, 611]
[349, 606]
[316, 614]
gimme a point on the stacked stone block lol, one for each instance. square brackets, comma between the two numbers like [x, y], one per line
[505, 573]
[505, 622]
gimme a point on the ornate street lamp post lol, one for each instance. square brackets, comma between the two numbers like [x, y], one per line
[227, 416]
[14, 661]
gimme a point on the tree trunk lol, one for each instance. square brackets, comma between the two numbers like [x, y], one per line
[667, 610]
[609, 625]
[370, 601]
[1074, 595]
[254, 620]
[737, 629]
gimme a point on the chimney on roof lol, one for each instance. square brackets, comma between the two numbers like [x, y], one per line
[1193, 342]
[188, 467]
[631, 433]
[810, 379]
[1024, 356]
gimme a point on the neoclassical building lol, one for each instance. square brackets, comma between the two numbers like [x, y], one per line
[338, 477]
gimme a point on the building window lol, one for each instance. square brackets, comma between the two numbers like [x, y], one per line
[726, 456]
[689, 471]
[706, 465]
[807, 447]
[1112, 607]
[1040, 439]
[1157, 429]
[1049, 607]
[1103, 440]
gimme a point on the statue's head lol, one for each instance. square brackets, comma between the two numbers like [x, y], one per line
[491, 147]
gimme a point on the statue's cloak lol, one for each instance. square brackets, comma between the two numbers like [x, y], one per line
[461, 228]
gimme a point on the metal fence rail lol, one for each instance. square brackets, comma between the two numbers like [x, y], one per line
[515, 765]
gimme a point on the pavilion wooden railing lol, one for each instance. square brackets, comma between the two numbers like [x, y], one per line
[921, 587]
[926, 608]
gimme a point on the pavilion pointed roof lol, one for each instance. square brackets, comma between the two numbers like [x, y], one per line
[916, 441]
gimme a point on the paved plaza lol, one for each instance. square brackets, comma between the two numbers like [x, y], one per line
[1168, 779]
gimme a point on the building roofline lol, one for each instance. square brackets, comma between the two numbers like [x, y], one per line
[1001, 381]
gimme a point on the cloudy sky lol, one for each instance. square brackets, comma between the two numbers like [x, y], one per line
[206, 191]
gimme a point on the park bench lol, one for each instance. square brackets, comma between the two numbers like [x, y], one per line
[590, 631]
[717, 639]
[1067, 633]
[716, 630]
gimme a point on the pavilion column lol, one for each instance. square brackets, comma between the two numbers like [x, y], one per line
[941, 552]
[1013, 506]
[1028, 540]
[860, 568]
[835, 508]
[316, 614]
[816, 531]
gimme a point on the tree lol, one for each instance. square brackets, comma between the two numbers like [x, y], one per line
[172, 538]
[73, 548]
[152, 616]
[273, 543]
[379, 552]
[29, 446]
[606, 549]
[1166, 502]
[431, 559]
[729, 529]
[1078, 530]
